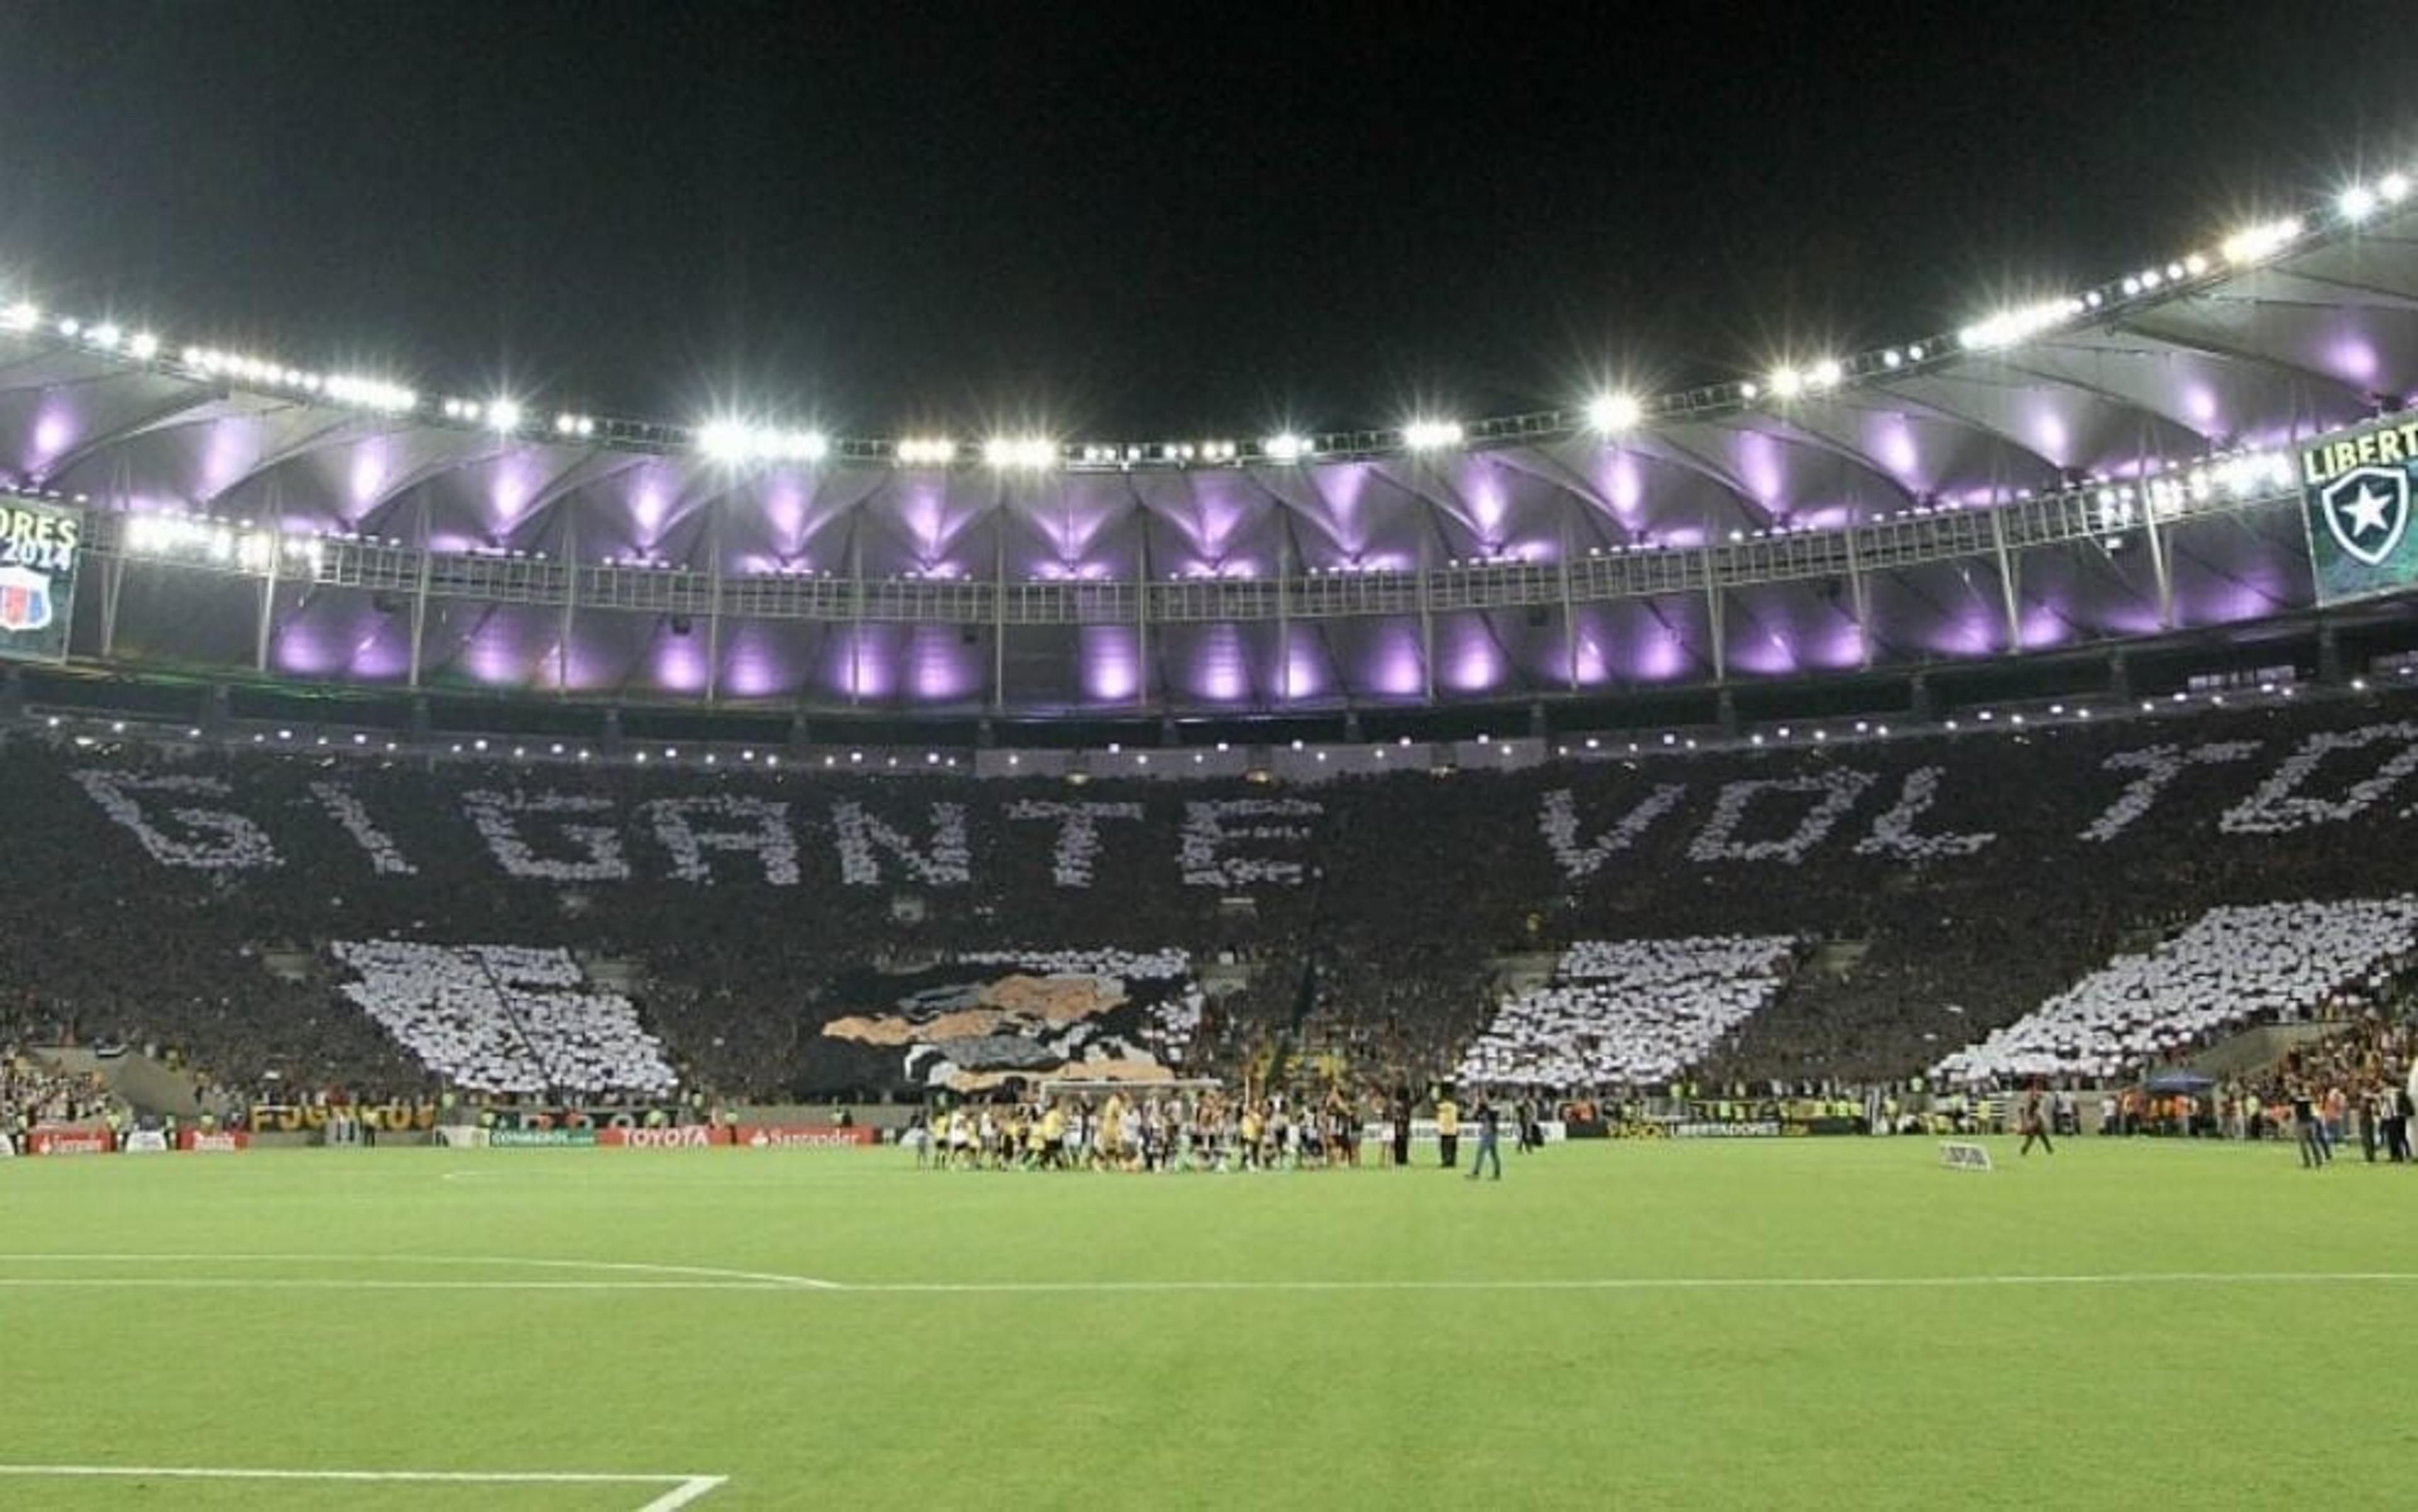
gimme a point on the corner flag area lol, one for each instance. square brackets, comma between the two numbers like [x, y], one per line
[1724, 1323]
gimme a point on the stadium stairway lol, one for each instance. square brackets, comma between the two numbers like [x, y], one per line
[2258, 1047]
[145, 1084]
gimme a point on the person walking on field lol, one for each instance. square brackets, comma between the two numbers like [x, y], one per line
[2035, 1124]
[2306, 1130]
[1490, 1139]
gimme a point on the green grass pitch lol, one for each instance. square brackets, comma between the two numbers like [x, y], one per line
[1576, 1334]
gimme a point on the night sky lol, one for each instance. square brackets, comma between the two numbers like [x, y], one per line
[1139, 220]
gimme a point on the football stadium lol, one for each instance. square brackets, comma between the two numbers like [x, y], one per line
[1846, 934]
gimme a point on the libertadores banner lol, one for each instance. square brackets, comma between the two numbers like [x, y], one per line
[39, 545]
[2356, 493]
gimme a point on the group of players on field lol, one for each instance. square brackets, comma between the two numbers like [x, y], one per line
[1144, 1131]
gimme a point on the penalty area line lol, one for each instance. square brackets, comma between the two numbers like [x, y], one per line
[682, 1489]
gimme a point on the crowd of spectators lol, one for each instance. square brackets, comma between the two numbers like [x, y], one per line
[505, 1018]
[1945, 886]
[2258, 963]
[1628, 1013]
[32, 1093]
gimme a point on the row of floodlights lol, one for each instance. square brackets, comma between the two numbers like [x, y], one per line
[736, 442]
[239, 544]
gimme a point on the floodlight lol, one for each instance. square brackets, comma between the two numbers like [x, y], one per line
[1612, 412]
[1026, 451]
[2254, 243]
[727, 440]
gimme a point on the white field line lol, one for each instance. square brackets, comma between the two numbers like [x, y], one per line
[238, 1283]
[753, 1280]
[636, 1277]
[1662, 1283]
[683, 1489]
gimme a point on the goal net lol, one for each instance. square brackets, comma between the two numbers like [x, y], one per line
[1958, 1154]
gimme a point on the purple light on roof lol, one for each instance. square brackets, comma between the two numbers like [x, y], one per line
[1761, 652]
[1304, 677]
[1620, 478]
[54, 431]
[785, 510]
[2050, 436]
[1889, 438]
[649, 508]
[1473, 665]
[1840, 648]
[2222, 601]
[1397, 672]
[365, 480]
[1973, 631]
[2199, 403]
[2353, 358]
[2041, 625]
[1661, 656]
[1759, 465]
[227, 454]
[859, 663]
[307, 651]
[938, 669]
[509, 491]
[1223, 682]
[1591, 667]
[490, 657]
[750, 663]
[1210, 663]
[677, 664]
[383, 656]
[926, 514]
[1213, 526]
[1111, 667]
[1487, 505]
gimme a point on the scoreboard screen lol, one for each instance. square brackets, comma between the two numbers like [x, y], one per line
[39, 547]
[2356, 490]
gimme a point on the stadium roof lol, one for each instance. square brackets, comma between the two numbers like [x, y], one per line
[1849, 509]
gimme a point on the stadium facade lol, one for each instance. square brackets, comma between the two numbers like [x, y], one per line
[2119, 467]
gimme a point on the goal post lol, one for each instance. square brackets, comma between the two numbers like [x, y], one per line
[1963, 1155]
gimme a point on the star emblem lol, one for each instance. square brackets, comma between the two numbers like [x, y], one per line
[2365, 511]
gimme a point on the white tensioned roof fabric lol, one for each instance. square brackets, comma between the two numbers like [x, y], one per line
[1962, 506]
